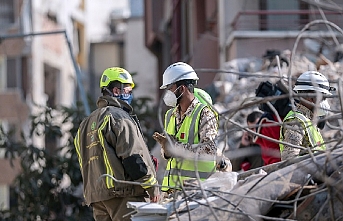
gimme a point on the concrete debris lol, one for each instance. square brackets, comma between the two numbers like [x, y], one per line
[260, 196]
[306, 188]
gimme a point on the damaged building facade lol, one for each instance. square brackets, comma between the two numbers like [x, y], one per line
[234, 45]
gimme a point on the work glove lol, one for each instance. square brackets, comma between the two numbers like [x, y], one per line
[224, 164]
[163, 141]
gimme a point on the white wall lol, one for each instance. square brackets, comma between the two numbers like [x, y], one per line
[53, 51]
[140, 60]
[98, 14]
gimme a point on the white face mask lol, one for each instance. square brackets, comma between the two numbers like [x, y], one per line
[324, 108]
[170, 98]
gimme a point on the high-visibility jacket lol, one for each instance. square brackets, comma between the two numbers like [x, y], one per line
[178, 169]
[315, 138]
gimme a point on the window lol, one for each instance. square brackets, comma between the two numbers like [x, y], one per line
[16, 69]
[6, 13]
[51, 75]
[281, 16]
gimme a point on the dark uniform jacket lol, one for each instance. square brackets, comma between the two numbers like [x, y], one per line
[109, 141]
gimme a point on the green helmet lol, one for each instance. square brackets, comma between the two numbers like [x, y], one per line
[116, 74]
[202, 96]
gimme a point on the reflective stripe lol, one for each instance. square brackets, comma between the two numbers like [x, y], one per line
[150, 181]
[109, 170]
[178, 170]
[310, 84]
[168, 116]
[192, 128]
[189, 130]
[307, 125]
[77, 147]
[189, 173]
[315, 138]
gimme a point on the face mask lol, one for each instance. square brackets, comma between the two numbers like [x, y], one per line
[125, 97]
[170, 98]
[324, 108]
[322, 112]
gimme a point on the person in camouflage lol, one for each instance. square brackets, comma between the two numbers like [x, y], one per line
[191, 128]
[298, 126]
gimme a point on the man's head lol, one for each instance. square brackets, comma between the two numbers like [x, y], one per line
[313, 85]
[179, 79]
[253, 118]
[117, 82]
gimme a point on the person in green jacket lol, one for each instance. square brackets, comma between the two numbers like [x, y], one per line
[298, 126]
[109, 144]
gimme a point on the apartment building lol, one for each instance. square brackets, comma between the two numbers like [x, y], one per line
[116, 35]
[207, 34]
[37, 65]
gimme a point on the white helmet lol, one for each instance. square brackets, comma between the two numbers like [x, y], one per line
[313, 81]
[176, 72]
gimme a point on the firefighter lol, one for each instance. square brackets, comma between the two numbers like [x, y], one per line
[109, 141]
[298, 126]
[191, 128]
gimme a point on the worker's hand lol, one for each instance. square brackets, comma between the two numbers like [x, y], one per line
[224, 164]
[160, 138]
[246, 139]
[154, 194]
[154, 199]
[163, 141]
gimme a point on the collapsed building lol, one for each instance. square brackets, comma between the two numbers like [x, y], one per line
[305, 188]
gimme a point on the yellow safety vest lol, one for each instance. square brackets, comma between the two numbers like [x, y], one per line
[178, 169]
[315, 138]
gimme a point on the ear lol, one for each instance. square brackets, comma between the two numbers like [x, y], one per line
[313, 100]
[183, 88]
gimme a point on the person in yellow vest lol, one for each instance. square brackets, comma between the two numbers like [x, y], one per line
[191, 128]
[298, 126]
[109, 141]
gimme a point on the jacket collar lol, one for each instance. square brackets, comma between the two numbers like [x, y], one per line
[106, 100]
[303, 110]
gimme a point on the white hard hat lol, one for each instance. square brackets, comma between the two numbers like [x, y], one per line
[313, 81]
[176, 72]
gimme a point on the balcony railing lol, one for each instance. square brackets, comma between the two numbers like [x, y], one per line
[287, 20]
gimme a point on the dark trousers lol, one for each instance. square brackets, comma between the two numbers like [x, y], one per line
[114, 209]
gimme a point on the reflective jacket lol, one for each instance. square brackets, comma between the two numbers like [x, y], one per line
[178, 169]
[109, 142]
[315, 138]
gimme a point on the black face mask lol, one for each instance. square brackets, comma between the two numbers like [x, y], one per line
[321, 123]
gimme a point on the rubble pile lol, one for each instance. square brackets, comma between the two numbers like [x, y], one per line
[305, 188]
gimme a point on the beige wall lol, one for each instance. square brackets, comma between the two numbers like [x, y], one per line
[105, 55]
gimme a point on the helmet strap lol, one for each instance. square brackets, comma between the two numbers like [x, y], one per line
[121, 88]
[110, 92]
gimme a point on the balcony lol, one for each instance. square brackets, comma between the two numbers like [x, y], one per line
[286, 20]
